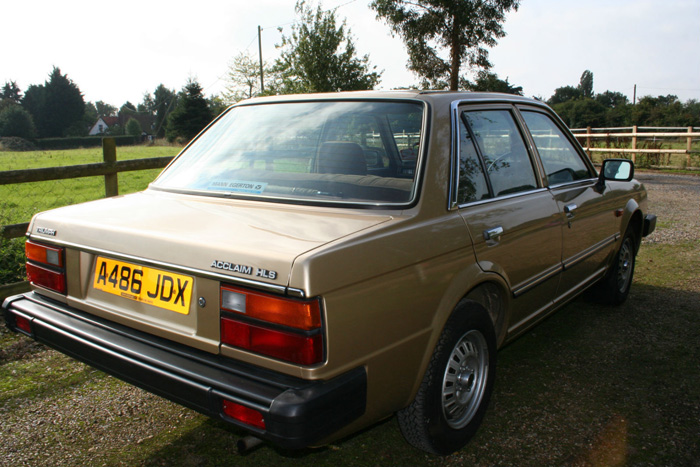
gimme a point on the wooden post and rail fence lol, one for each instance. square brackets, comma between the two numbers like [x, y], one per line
[636, 134]
[109, 168]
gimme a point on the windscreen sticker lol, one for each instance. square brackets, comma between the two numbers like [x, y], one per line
[238, 186]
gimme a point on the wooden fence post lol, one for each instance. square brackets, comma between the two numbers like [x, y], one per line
[109, 155]
[689, 146]
[634, 143]
[588, 143]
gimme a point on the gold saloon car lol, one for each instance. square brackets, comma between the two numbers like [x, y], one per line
[309, 265]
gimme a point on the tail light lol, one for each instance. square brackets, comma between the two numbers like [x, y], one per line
[243, 414]
[277, 327]
[46, 266]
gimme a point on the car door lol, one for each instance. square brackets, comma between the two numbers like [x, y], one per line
[513, 221]
[588, 227]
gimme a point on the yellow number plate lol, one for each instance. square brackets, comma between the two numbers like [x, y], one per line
[143, 284]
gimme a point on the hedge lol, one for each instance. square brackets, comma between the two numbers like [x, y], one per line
[83, 142]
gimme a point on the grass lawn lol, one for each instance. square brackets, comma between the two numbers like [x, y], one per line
[18, 203]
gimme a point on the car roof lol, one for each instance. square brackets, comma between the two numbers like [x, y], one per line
[434, 97]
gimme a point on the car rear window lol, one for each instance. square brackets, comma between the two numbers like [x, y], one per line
[359, 152]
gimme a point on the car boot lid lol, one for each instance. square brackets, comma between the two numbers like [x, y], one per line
[251, 240]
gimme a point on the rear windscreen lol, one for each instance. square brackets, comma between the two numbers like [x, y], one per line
[330, 151]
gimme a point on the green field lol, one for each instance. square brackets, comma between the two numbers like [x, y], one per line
[18, 203]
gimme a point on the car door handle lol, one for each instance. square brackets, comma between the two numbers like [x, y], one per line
[569, 210]
[493, 235]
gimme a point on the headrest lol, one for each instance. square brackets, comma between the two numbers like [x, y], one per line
[341, 157]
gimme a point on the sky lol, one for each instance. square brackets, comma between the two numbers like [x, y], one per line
[117, 51]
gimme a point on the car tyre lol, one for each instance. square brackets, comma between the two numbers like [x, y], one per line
[615, 286]
[455, 391]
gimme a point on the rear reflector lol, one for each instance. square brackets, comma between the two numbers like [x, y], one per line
[291, 347]
[23, 323]
[243, 414]
[48, 278]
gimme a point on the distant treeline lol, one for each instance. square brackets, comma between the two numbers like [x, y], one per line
[580, 107]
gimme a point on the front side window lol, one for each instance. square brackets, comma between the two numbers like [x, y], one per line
[505, 157]
[324, 151]
[561, 162]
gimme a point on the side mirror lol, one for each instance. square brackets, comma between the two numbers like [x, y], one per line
[617, 170]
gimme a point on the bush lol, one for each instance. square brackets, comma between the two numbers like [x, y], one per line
[133, 128]
[15, 121]
[12, 261]
[16, 144]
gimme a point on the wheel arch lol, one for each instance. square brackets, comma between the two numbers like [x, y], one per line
[493, 296]
[633, 219]
[455, 389]
[487, 290]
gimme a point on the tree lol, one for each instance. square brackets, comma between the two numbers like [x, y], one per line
[127, 108]
[33, 102]
[581, 113]
[691, 113]
[105, 110]
[115, 130]
[90, 116]
[133, 127]
[586, 85]
[216, 105]
[64, 106]
[243, 78]
[191, 113]
[57, 106]
[164, 101]
[658, 111]
[564, 94]
[490, 82]
[612, 100]
[320, 56]
[147, 105]
[579, 106]
[11, 92]
[616, 106]
[464, 27]
[15, 121]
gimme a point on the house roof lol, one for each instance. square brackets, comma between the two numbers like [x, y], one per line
[145, 120]
[110, 121]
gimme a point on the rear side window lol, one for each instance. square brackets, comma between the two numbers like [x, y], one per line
[502, 150]
[472, 182]
[561, 162]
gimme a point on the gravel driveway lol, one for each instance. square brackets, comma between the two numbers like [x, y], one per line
[675, 199]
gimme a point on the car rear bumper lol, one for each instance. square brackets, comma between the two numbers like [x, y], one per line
[297, 412]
